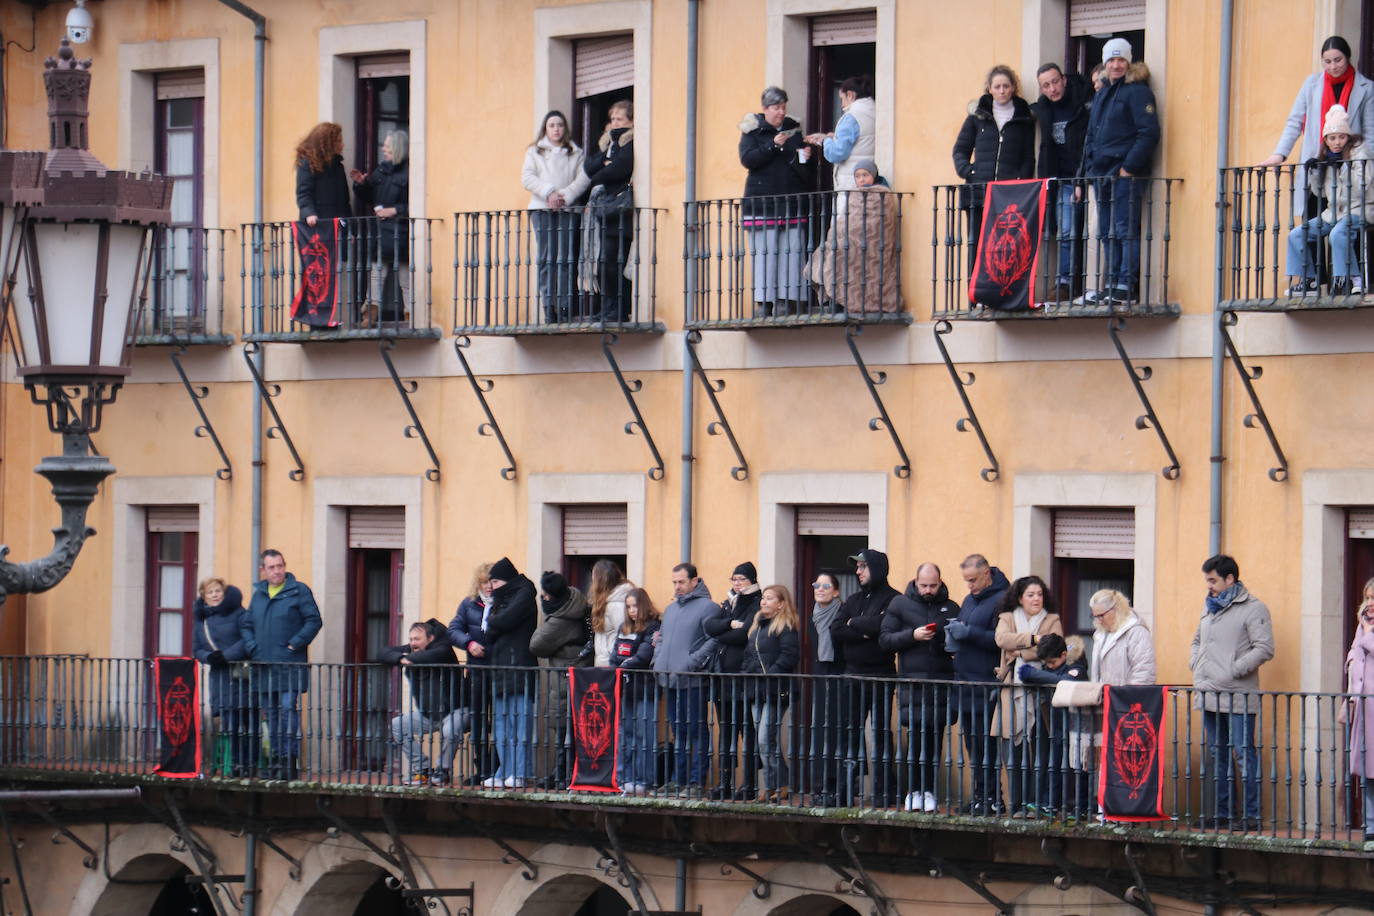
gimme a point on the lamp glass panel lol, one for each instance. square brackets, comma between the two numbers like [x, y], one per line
[66, 255]
[124, 274]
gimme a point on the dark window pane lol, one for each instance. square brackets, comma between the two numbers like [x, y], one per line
[181, 112]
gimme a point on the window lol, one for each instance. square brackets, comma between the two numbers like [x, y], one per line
[1359, 566]
[1093, 22]
[603, 74]
[842, 45]
[383, 100]
[590, 533]
[376, 553]
[179, 153]
[1093, 549]
[827, 536]
[171, 582]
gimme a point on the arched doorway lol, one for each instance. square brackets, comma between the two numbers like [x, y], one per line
[152, 884]
[814, 905]
[575, 895]
[177, 897]
[355, 887]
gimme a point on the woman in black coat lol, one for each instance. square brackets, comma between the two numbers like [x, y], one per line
[773, 650]
[773, 149]
[609, 233]
[729, 631]
[511, 623]
[386, 192]
[216, 642]
[321, 187]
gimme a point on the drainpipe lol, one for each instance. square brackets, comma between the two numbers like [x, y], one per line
[690, 195]
[259, 51]
[1218, 347]
[250, 893]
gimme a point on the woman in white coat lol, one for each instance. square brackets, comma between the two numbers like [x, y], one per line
[554, 177]
[607, 598]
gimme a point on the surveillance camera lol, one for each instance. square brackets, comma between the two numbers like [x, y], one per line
[79, 24]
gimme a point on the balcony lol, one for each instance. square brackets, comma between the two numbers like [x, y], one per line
[185, 302]
[796, 260]
[1268, 213]
[375, 282]
[578, 270]
[67, 719]
[1086, 253]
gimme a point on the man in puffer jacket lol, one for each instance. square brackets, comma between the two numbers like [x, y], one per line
[682, 646]
[971, 638]
[435, 682]
[557, 643]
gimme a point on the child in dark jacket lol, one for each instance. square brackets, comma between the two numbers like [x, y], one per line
[633, 653]
[1061, 663]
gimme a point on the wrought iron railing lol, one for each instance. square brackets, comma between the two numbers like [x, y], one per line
[1283, 225]
[576, 269]
[795, 259]
[375, 280]
[185, 301]
[790, 741]
[1104, 251]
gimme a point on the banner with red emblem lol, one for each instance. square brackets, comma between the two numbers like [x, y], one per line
[317, 298]
[178, 716]
[594, 703]
[1131, 780]
[1005, 269]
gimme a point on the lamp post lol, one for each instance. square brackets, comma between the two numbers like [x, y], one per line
[76, 263]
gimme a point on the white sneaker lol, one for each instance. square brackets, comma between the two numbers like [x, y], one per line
[913, 802]
[928, 803]
[1356, 287]
[513, 782]
[493, 782]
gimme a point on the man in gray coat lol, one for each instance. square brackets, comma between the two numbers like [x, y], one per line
[1232, 640]
[682, 646]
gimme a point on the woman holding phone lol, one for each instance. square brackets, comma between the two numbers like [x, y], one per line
[1359, 667]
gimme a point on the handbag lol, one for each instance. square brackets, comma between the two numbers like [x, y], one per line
[238, 672]
[1070, 694]
[619, 200]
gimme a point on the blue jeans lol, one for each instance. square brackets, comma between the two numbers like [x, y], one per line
[283, 722]
[1118, 228]
[557, 235]
[1344, 232]
[691, 735]
[513, 725]
[407, 728]
[1068, 221]
[1228, 735]
[638, 739]
[768, 712]
[981, 750]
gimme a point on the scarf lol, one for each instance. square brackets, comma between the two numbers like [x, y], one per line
[1329, 92]
[823, 615]
[1223, 601]
[1025, 624]
[1001, 113]
[1104, 641]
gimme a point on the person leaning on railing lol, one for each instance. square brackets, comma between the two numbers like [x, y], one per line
[468, 631]
[385, 192]
[554, 176]
[1358, 712]
[772, 653]
[971, 639]
[855, 269]
[1062, 111]
[1070, 739]
[435, 689]
[216, 641]
[1025, 615]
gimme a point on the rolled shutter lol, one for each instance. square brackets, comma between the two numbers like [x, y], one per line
[377, 527]
[600, 530]
[1361, 523]
[393, 63]
[173, 518]
[181, 84]
[1105, 17]
[845, 29]
[603, 64]
[834, 521]
[1101, 534]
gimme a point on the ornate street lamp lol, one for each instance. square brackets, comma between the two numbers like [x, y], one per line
[81, 261]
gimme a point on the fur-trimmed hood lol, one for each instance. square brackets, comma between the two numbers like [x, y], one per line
[755, 121]
[627, 137]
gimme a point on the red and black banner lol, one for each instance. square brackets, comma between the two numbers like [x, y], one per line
[1131, 785]
[1009, 245]
[178, 717]
[594, 702]
[317, 298]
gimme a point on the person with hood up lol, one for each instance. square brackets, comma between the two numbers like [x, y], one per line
[682, 650]
[510, 624]
[773, 215]
[733, 721]
[217, 642]
[435, 681]
[971, 638]
[557, 643]
[914, 628]
[1062, 112]
[855, 268]
[856, 629]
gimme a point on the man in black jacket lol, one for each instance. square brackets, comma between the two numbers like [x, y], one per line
[856, 629]
[434, 689]
[914, 628]
[735, 723]
[1062, 111]
[509, 628]
[976, 658]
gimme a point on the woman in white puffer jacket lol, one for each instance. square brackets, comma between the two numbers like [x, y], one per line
[607, 598]
[554, 177]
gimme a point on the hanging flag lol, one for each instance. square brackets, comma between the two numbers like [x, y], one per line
[178, 716]
[317, 298]
[1009, 245]
[1131, 781]
[594, 704]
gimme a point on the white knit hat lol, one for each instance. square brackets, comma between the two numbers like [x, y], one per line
[1117, 47]
[1337, 121]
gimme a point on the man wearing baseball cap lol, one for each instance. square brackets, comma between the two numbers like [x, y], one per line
[1123, 132]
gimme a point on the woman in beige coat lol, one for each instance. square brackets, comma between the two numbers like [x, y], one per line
[1026, 615]
[1359, 666]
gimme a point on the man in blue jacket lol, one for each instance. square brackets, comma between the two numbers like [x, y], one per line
[1123, 131]
[682, 647]
[976, 657]
[281, 621]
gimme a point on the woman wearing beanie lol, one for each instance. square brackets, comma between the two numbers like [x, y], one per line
[510, 624]
[855, 268]
[729, 629]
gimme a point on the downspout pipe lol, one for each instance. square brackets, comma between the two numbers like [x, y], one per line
[1214, 526]
[689, 287]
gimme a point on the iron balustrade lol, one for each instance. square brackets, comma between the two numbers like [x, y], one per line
[382, 272]
[766, 742]
[1108, 255]
[185, 302]
[573, 270]
[795, 259]
[1283, 222]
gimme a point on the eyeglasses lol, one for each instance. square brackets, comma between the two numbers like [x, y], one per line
[1103, 614]
[820, 585]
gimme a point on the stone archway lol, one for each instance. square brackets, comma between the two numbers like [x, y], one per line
[815, 905]
[139, 861]
[794, 893]
[566, 895]
[568, 877]
[340, 890]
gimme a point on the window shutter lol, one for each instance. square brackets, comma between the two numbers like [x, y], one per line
[181, 84]
[394, 63]
[603, 64]
[1361, 523]
[1102, 534]
[173, 518]
[377, 527]
[596, 530]
[845, 29]
[1103, 17]
[835, 521]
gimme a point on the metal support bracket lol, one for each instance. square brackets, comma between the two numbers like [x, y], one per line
[872, 380]
[480, 387]
[1203, 862]
[278, 429]
[741, 470]
[849, 837]
[416, 429]
[626, 869]
[294, 872]
[343, 826]
[1138, 894]
[941, 867]
[1069, 873]
[206, 864]
[970, 419]
[199, 393]
[763, 888]
[90, 860]
[1139, 375]
[629, 387]
[530, 871]
[1248, 374]
[409, 886]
